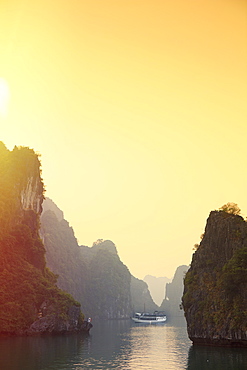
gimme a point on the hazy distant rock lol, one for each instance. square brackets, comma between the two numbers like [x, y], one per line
[63, 254]
[174, 292]
[48, 204]
[108, 281]
[95, 275]
[107, 245]
[156, 286]
[140, 296]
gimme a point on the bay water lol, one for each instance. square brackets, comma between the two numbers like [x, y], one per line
[119, 345]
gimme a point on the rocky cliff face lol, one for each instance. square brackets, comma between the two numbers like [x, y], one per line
[215, 287]
[30, 195]
[53, 321]
[25, 172]
[26, 284]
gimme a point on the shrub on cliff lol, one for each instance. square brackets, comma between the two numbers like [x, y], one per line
[231, 208]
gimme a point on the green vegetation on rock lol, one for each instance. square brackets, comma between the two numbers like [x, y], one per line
[25, 282]
[215, 286]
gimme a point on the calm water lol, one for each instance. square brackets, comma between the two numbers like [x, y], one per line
[118, 345]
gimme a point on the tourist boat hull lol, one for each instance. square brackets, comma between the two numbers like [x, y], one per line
[147, 318]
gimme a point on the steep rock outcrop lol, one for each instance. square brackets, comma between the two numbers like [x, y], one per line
[174, 292]
[108, 284]
[215, 287]
[53, 321]
[25, 281]
[30, 195]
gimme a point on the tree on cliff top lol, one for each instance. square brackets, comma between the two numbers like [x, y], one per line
[231, 208]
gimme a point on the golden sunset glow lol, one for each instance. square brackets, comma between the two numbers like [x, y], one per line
[138, 109]
[4, 97]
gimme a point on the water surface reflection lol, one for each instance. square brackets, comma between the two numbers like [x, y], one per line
[120, 345]
[217, 358]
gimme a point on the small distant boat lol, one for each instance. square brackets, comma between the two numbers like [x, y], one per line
[149, 318]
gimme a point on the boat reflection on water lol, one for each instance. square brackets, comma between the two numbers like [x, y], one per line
[149, 318]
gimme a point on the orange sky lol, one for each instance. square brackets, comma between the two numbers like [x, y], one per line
[139, 111]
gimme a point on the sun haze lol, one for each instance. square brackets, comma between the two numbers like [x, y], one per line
[4, 97]
[138, 109]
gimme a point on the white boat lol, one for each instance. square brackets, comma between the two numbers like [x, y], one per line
[149, 318]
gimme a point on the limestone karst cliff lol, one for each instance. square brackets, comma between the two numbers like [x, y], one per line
[215, 286]
[30, 301]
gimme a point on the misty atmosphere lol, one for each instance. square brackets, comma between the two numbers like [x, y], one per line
[123, 237]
